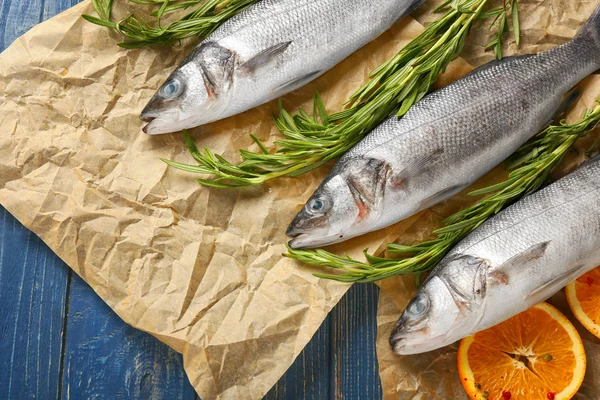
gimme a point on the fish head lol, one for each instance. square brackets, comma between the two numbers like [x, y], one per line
[326, 217]
[428, 322]
[194, 94]
[447, 307]
[347, 204]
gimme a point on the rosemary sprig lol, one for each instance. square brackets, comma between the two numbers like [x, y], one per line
[312, 141]
[501, 15]
[208, 15]
[531, 166]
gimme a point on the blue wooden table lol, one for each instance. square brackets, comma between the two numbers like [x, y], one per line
[59, 340]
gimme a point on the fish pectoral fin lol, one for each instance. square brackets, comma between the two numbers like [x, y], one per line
[501, 274]
[417, 165]
[441, 196]
[552, 286]
[414, 166]
[298, 82]
[264, 57]
[532, 253]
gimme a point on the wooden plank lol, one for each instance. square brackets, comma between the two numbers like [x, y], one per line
[340, 361]
[309, 376]
[108, 359]
[355, 370]
[53, 7]
[33, 289]
[17, 17]
[33, 280]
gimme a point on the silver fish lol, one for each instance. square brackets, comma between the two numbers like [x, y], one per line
[515, 260]
[266, 51]
[445, 142]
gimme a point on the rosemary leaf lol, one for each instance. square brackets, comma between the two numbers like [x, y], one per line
[501, 23]
[393, 87]
[201, 22]
[528, 176]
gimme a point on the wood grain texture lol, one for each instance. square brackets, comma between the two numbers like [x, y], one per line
[355, 369]
[309, 376]
[108, 359]
[33, 291]
[58, 340]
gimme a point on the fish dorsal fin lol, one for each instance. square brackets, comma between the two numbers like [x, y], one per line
[552, 286]
[264, 57]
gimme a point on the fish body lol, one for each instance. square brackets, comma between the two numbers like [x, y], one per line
[516, 259]
[444, 142]
[266, 51]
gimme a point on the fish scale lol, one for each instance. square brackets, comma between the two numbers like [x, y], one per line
[448, 140]
[516, 259]
[302, 40]
[315, 28]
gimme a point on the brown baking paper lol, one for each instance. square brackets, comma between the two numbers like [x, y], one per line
[434, 375]
[201, 269]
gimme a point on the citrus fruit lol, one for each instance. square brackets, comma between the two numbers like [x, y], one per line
[583, 296]
[537, 354]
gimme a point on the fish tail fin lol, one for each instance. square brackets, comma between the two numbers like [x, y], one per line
[591, 31]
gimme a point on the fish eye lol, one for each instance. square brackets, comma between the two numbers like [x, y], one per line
[419, 306]
[171, 89]
[318, 205]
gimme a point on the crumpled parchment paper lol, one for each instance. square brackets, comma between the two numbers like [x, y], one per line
[201, 269]
[434, 375]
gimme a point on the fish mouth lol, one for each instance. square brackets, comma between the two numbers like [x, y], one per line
[149, 119]
[299, 241]
[395, 340]
[148, 128]
[403, 346]
[299, 238]
[309, 241]
[159, 124]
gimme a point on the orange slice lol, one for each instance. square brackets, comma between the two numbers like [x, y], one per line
[536, 355]
[583, 296]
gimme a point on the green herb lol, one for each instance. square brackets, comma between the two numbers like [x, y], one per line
[208, 15]
[311, 141]
[500, 15]
[531, 166]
